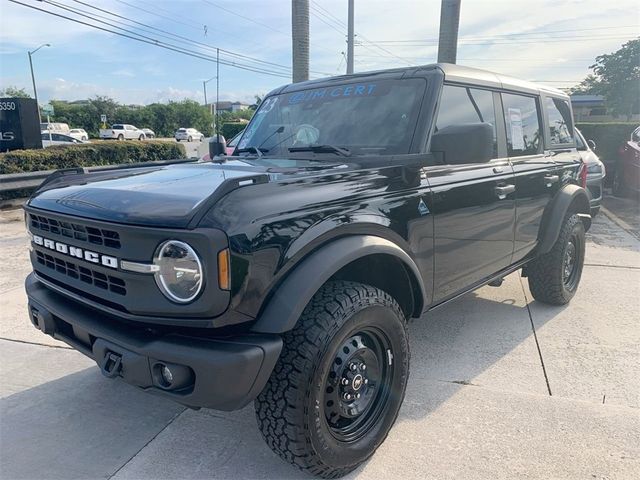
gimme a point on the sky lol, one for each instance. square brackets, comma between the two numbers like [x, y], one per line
[550, 41]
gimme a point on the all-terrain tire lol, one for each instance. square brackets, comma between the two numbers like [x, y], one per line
[293, 412]
[551, 279]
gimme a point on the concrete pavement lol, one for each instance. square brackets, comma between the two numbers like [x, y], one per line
[501, 387]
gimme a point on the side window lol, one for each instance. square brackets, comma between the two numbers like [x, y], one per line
[465, 106]
[522, 121]
[560, 125]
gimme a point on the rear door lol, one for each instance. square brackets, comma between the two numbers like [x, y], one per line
[536, 173]
[473, 202]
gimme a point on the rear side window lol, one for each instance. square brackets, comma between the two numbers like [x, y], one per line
[464, 105]
[117, 127]
[522, 119]
[560, 125]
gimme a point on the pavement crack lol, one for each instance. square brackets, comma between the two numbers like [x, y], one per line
[535, 336]
[35, 343]
[175, 417]
[611, 266]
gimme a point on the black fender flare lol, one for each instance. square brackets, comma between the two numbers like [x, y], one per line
[292, 295]
[570, 196]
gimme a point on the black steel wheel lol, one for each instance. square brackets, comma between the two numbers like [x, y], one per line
[336, 390]
[554, 276]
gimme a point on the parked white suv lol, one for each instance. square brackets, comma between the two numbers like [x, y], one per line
[122, 131]
[188, 134]
[79, 134]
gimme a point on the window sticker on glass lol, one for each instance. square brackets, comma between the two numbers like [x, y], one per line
[517, 133]
[265, 108]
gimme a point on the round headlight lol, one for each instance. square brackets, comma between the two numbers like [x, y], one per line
[179, 276]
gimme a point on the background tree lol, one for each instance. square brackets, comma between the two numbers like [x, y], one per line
[616, 76]
[14, 92]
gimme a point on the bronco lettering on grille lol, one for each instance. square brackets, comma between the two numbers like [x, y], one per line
[89, 256]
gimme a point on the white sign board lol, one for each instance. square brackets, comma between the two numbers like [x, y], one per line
[103, 118]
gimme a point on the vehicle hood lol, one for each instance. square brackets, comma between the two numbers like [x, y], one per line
[172, 196]
[168, 196]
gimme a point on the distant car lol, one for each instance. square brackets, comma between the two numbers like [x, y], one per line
[79, 134]
[626, 178]
[148, 133]
[122, 131]
[231, 144]
[188, 134]
[49, 139]
[55, 127]
[596, 171]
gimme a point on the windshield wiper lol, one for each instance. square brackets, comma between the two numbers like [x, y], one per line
[259, 151]
[322, 149]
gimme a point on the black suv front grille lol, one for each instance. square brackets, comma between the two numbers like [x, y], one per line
[82, 233]
[86, 275]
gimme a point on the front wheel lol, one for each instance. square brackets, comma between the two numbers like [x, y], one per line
[554, 276]
[336, 390]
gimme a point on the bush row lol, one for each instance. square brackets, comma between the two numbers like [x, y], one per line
[89, 155]
[608, 137]
[231, 129]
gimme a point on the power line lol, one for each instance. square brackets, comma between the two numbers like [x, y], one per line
[173, 19]
[547, 39]
[508, 35]
[184, 39]
[156, 43]
[213, 4]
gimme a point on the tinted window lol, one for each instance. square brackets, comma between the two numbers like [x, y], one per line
[560, 126]
[523, 125]
[371, 117]
[463, 105]
[116, 127]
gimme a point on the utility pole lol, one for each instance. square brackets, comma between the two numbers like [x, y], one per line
[350, 36]
[217, 89]
[300, 39]
[33, 78]
[449, 22]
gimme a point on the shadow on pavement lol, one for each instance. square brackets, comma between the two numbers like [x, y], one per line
[85, 426]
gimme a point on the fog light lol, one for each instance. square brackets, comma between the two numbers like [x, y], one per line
[171, 376]
[167, 376]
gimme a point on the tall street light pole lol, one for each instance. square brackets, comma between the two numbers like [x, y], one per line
[33, 78]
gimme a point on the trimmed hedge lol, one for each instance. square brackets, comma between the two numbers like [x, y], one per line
[89, 155]
[231, 129]
[608, 137]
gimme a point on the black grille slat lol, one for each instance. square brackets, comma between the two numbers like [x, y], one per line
[76, 231]
[86, 275]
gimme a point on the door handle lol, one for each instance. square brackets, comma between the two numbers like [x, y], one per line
[551, 179]
[505, 190]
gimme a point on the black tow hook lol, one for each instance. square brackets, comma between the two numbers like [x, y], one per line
[111, 365]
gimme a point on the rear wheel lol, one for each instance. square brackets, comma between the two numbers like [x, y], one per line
[141, 137]
[189, 139]
[554, 276]
[339, 383]
[120, 137]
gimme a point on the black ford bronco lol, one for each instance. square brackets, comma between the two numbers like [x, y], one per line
[286, 273]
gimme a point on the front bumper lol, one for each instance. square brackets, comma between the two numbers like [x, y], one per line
[595, 186]
[220, 373]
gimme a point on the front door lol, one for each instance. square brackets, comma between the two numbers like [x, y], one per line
[473, 203]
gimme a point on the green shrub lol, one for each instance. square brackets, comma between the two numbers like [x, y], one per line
[608, 137]
[231, 129]
[89, 155]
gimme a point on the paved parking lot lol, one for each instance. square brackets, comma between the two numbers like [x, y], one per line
[500, 387]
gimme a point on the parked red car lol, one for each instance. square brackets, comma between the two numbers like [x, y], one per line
[626, 179]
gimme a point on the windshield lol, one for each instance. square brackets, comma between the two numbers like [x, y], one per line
[368, 118]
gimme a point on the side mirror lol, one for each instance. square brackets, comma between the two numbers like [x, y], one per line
[464, 143]
[217, 146]
[592, 144]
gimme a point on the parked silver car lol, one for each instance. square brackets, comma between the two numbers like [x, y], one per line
[595, 171]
